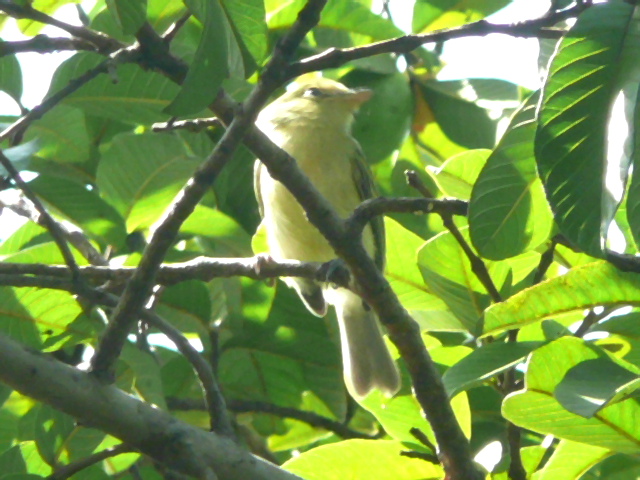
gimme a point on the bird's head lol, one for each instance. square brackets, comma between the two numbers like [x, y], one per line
[318, 100]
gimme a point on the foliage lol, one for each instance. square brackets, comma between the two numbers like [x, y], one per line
[513, 346]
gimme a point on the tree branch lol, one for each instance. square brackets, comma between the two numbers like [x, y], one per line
[47, 220]
[336, 57]
[103, 43]
[45, 44]
[201, 268]
[71, 469]
[169, 441]
[248, 406]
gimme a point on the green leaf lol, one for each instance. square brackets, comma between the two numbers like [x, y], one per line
[570, 460]
[619, 467]
[402, 270]
[27, 235]
[131, 14]
[429, 15]
[454, 113]
[571, 139]
[140, 175]
[31, 315]
[31, 27]
[52, 429]
[447, 272]
[83, 207]
[225, 237]
[234, 190]
[138, 96]
[388, 111]
[11, 461]
[633, 194]
[594, 284]
[248, 19]
[458, 174]
[146, 374]
[210, 66]
[279, 350]
[379, 459]
[62, 135]
[615, 427]
[485, 362]
[11, 77]
[349, 15]
[591, 385]
[300, 434]
[187, 306]
[508, 212]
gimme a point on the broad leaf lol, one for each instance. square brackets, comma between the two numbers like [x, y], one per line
[485, 362]
[379, 459]
[431, 15]
[131, 14]
[508, 212]
[137, 97]
[571, 139]
[592, 384]
[615, 427]
[11, 77]
[140, 175]
[210, 66]
[570, 460]
[594, 284]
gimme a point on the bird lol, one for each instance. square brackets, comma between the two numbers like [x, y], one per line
[312, 123]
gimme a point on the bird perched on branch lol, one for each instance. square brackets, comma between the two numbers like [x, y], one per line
[312, 122]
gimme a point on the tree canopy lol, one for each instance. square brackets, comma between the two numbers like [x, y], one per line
[141, 335]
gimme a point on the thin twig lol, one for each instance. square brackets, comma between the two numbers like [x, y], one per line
[45, 218]
[67, 471]
[546, 259]
[44, 44]
[196, 125]
[248, 406]
[336, 57]
[103, 42]
[173, 30]
[23, 122]
[74, 237]
[477, 265]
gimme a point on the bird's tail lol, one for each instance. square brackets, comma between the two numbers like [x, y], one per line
[366, 359]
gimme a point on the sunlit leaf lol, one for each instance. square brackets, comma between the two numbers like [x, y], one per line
[594, 284]
[615, 427]
[571, 139]
[508, 212]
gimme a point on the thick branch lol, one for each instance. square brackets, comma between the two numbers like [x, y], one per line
[153, 432]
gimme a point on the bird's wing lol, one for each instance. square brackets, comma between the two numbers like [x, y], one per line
[363, 179]
[257, 171]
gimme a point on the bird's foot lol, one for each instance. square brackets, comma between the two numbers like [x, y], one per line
[263, 260]
[334, 272]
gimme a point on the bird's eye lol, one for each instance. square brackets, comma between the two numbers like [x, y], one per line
[313, 92]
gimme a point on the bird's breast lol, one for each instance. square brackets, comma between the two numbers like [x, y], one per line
[326, 161]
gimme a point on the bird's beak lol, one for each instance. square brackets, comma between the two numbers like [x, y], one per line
[357, 96]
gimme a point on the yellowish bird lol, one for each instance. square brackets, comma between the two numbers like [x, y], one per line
[312, 123]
